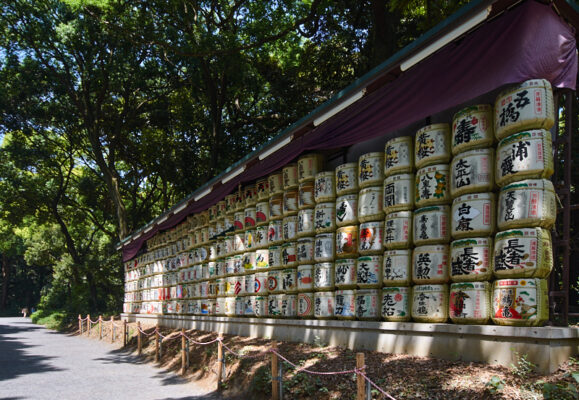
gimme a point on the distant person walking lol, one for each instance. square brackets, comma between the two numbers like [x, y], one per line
[24, 312]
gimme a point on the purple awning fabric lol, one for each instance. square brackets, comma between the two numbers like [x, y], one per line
[529, 41]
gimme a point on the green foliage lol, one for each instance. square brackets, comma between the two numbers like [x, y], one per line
[561, 391]
[57, 320]
[495, 384]
[261, 381]
[523, 368]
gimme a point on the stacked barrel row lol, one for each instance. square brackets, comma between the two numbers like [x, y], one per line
[381, 237]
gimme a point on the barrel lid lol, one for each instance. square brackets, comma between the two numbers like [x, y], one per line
[372, 155]
[433, 168]
[400, 214]
[399, 177]
[471, 197]
[347, 165]
[433, 127]
[399, 139]
[529, 184]
[539, 83]
[529, 134]
[430, 288]
[431, 248]
[444, 208]
[472, 109]
[475, 152]
[476, 241]
[520, 232]
[399, 252]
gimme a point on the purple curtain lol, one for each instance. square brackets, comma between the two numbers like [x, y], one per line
[529, 41]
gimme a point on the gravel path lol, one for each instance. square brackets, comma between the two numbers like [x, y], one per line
[36, 363]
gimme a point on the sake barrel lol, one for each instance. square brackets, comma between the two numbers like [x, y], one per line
[249, 239]
[262, 258]
[306, 305]
[471, 260]
[398, 230]
[524, 155]
[305, 250]
[239, 242]
[230, 204]
[324, 247]
[261, 284]
[324, 276]
[262, 187]
[249, 303]
[249, 261]
[432, 145]
[472, 128]
[260, 307]
[250, 195]
[239, 201]
[431, 225]
[370, 202]
[305, 280]
[432, 185]
[249, 284]
[306, 195]
[260, 237]
[369, 272]
[472, 172]
[274, 232]
[212, 231]
[289, 228]
[346, 241]
[528, 105]
[205, 271]
[347, 210]
[238, 263]
[262, 213]
[231, 285]
[398, 155]
[396, 304]
[397, 267]
[399, 192]
[528, 203]
[324, 187]
[229, 265]
[289, 281]
[347, 178]
[221, 209]
[469, 302]
[204, 216]
[211, 270]
[430, 303]
[520, 302]
[239, 306]
[274, 281]
[430, 264]
[324, 305]
[275, 181]
[238, 220]
[288, 254]
[473, 215]
[205, 306]
[305, 225]
[290, 202]
[290, 176]
[345, 273]
[308, 166]
[371, 238]
[523, 253]
[213, 213]
[325, 217]
[289, 306]
[249, 217]
[275, 257]
[370, 169]
[276, 207]
[344, 304]
[368, 306]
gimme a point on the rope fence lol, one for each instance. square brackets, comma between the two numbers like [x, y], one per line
[364, 383]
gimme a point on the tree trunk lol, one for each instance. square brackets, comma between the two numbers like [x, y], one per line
[385, 38]
[5, 282]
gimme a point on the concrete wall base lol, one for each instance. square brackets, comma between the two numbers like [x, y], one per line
[547, 347]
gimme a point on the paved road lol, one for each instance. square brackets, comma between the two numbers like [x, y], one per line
[38, 364]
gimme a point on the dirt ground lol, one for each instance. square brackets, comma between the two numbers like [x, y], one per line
[248, 372]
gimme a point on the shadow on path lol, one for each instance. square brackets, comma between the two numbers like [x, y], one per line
[14, 359]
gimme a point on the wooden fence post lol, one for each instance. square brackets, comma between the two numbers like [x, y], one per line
[183, 352]
[112, 329]
[157, 357]
[274, 373]
[79, 324]
[360, 381]
[219, 361]
[139, 339]
[100, 327]
[125, 339]
[89, 324]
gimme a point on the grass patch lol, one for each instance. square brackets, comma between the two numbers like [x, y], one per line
[53, 319]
